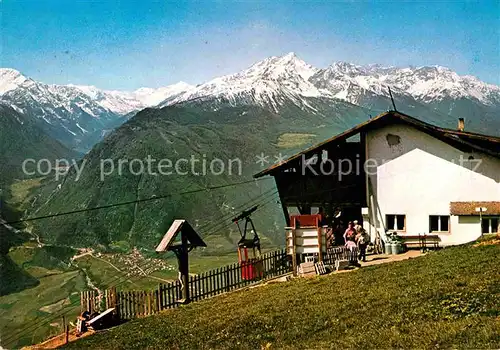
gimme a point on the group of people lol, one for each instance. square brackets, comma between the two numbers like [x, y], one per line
[356, 236]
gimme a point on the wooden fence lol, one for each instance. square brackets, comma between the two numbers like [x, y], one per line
[133, 304]
[340, 253]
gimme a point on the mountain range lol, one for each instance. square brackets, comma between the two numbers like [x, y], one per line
[344, 81]
[278, 105]
[415, 89]
[79, 116]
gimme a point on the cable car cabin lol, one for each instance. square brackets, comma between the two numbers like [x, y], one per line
[306, 237]
[249, 249]
[249, 259]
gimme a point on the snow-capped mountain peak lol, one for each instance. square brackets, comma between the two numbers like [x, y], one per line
[345, 68]
[89, 90]
[123, 102]
[151, 97]
[274, 82]
[10, 79]
[435, 83]
[267, 82]
[63, 111]
[279, 68]
[425, 84]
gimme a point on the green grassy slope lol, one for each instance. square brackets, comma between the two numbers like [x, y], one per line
[56, 294]
[446, 299]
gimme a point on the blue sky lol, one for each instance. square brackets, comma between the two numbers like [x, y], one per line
[130, 44]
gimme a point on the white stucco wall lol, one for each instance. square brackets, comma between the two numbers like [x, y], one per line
[419, 175]
[465, 229]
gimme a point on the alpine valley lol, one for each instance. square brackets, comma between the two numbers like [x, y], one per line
[252, 118]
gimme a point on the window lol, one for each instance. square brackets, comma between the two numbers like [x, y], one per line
[439, 223]
[490, 225]
[396, 222]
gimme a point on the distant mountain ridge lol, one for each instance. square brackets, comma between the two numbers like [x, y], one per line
[344, 80]
[436, 94]
[425, 84]
[120, 102]
[79, 116]
[262, 80]
[123, 102]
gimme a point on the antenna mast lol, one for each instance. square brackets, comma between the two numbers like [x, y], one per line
[392, 99]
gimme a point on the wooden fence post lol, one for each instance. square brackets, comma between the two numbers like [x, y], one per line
[160, 297]
[294, 254]
[157, 301]
[116, 303]
[228, 284]
[81, 301]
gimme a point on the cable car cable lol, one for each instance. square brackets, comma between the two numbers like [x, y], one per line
[153, 198]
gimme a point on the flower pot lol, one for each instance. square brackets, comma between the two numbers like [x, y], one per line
[393, 248]
[396, 248]
[388, 249]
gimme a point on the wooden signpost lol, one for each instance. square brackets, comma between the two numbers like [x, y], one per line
[189, 239]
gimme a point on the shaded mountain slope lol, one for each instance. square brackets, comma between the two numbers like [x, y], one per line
[20, 139]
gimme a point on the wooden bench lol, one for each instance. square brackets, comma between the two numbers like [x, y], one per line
[423, 241]
[307, 269]
[96, 322]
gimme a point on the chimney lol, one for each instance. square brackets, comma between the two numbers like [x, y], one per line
[461, 125]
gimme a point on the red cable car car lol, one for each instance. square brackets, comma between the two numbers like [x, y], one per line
[249, 249]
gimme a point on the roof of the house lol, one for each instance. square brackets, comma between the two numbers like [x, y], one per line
[459, 139]
[469, 208]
